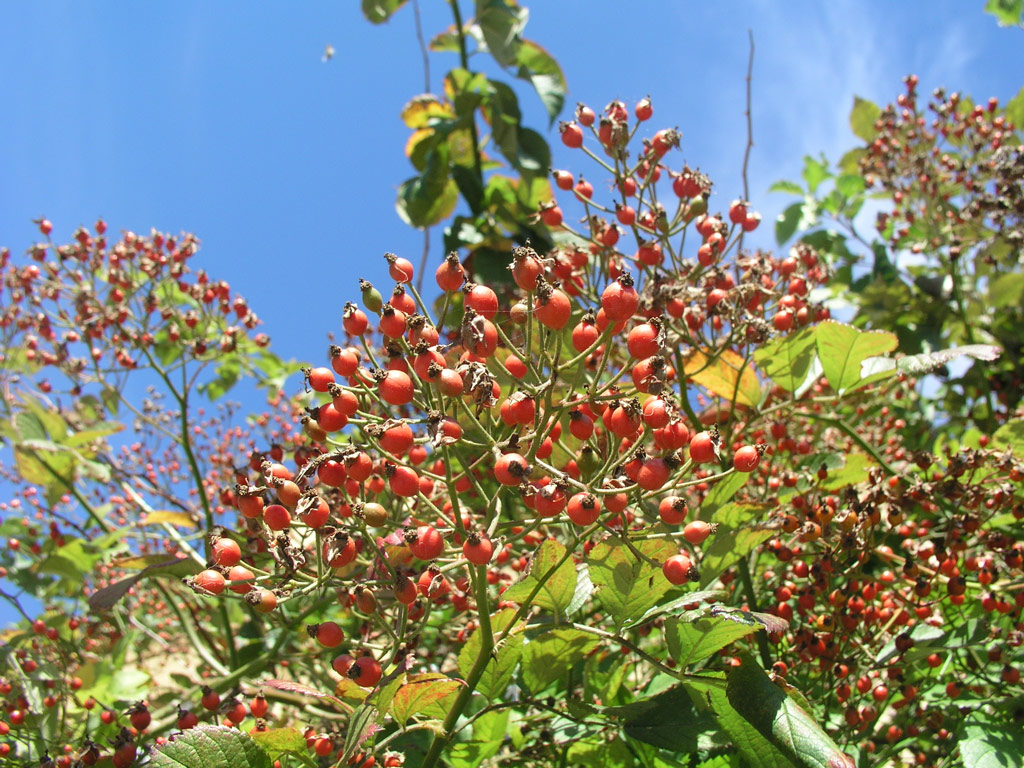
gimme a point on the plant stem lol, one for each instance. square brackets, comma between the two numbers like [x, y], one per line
[464, 61]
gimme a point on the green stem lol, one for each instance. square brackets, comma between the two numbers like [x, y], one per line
[464, 61]
[442, 737]
[748, 589]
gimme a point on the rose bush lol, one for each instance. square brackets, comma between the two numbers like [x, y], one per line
[634, 500]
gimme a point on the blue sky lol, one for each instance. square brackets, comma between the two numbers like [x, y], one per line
[220, 117]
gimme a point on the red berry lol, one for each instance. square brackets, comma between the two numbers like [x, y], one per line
[572, 135]
[677, 569]
[425, 542]
[746, 458]
[583, 508]
[328, 634]
[478, 549]
[704, 447]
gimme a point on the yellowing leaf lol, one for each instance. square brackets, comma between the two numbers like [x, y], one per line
[420, 110]
[184, 519]
[724, 376]
[421, 691]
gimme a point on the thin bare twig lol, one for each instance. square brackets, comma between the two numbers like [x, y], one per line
[423, 46]
[750, 124]
[426, 89]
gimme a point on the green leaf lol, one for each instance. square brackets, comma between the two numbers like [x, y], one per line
[445, 42]
[594, 752]
[532, 153]
[815, 172]
[421, 203]
[501, 25]
[95, 432]
[211, 746]
[676, 605]
[488, 735]
[557, 582]
[470, 187]
[28, 426]
[728, 546]
[152, 565]
[277, 741]
[1008, 13]
[721, 493]
[780, 720]
[787, 222]
[849, 163]
[1014, 109]
[542, 71]
[584, 589]
[862, 118]
[709, 695]
[668, 720]
[551, 655]
[850, 184]
[789, 187]
[1010, 435]
[992, 745]
[788, 359]
[629, 585]
[917, 365]
[925, 637]
[379, 11]
[689, 642]
[842, 348]
[1007, 290]
[227, 375]
[854, 470]
[420, 692]
[498, 673]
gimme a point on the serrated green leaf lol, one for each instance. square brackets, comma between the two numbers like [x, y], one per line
[629, 585]
[862, 118]
[708, 692]
[668, 720]
[779, 719]
[539, 67]
[721, 493]
[727, 546]
[498, 673]
[210, 746]
[595, 752]
[842, 348]
[690, 641]
[488, 735]
[552, 577]
[551, 655]
[788, 359]
[277, 741]
[992, 745]
[676, 605]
